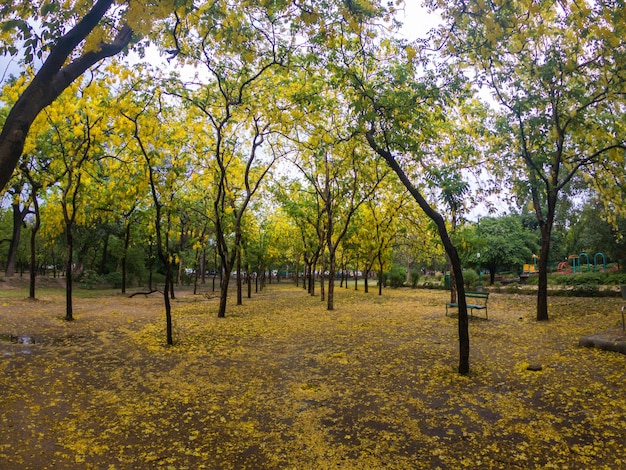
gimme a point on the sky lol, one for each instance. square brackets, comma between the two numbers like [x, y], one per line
[417, 21]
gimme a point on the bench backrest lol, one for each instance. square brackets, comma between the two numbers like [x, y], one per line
[477, 295]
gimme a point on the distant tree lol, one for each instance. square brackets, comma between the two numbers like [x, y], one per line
[503, 242]
[592, 233]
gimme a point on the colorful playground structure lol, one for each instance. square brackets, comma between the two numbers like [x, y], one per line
[573, 264]
[531, 268]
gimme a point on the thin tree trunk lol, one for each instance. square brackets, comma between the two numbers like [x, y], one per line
[463, 323]
[239, 281]
[249, 281]
[166, 300]
[68, 273]
[33, 238]
[221, 313]
[331, 280]
[542, 284]
[125, 254]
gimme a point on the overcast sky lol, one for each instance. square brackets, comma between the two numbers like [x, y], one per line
[416, 20]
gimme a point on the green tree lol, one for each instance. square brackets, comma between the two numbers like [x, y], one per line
[502, 243]
[557, 72]
[592, 233]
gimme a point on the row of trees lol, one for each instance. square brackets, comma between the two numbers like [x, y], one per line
[326, 86]
[381, 233]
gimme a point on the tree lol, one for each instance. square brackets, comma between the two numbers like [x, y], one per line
[381, 221]
[400, 114]
[161, 140]
[557, 71]
[501, 242]
[35, 186]
[303, 206]
[592, 233]
[241, 107]
[75, 129]
[100, 33]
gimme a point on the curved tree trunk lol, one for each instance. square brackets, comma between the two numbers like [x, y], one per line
[463, 325]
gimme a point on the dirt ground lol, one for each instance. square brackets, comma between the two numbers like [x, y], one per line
[284, 383]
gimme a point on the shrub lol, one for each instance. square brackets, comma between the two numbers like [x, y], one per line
[585, 290]
[470, 278]
[114, 279]
[415, 277]
[512, 288]
[88, 279]
[396, 276]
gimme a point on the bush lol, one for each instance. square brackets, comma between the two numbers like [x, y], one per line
[88, 279]
[512, 288]
[596, 279]
[415, 277]
[585, 290]
[470, 278]
[114, 279]
[396, 276]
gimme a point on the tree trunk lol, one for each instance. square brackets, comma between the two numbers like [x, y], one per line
[18, 220]
[331, 280]
[249, 281]
[69, 316]
[224, 281]
[166, 300]
[105, 249]
[125, 254]
[463, 324]
[365, 278]
[542, 285]
[239, 278]
[33, 238]
[172, 294]
[195, 272]
[380, 275]
[179, 277]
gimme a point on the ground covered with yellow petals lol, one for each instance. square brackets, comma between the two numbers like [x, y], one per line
[283, 383]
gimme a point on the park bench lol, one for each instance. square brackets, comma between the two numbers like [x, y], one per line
[484, 296]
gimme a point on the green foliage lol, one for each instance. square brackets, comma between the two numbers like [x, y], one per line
[113, 279]
[503, 243]
[396, 276]
[415, 277]
[88, 279]
[470, 278]
[594, 279]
